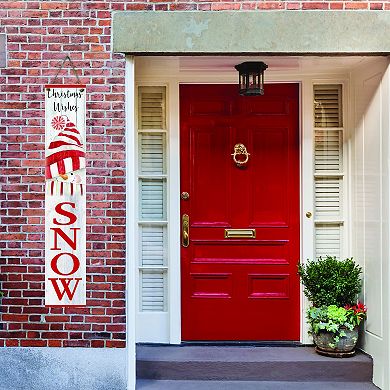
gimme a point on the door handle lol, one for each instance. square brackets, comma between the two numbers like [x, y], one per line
[185, 230]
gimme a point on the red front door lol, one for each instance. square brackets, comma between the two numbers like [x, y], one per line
[240, 288]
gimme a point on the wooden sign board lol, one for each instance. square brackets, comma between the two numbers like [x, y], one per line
[65, 201]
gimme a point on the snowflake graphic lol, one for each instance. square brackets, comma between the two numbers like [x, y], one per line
[58, 122]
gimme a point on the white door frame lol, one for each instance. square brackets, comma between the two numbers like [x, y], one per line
[130, 222]
[157, 74]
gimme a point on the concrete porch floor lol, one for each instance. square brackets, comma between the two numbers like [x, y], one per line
[248, 367]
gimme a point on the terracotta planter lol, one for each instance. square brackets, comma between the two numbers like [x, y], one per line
[344, 347]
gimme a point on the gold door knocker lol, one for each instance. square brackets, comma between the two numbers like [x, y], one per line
[240, 149]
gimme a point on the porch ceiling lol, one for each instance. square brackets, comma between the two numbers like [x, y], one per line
[224, 65]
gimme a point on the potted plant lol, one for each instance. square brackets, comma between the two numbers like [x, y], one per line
[333, 286]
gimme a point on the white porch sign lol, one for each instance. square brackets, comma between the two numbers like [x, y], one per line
[65, 204]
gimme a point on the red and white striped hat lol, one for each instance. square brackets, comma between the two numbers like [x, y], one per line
[65, 153]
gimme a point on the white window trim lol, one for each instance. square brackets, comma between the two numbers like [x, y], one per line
[307, 189]
[145, 321]
[131, 231]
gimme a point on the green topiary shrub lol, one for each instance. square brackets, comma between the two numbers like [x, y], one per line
[330, 281]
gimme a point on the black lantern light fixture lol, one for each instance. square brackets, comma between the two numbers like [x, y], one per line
[251, 78]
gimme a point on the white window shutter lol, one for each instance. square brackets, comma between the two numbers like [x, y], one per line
[328, 170]
[327, 105]
[152, 200]
[328, 198]
[152, 183]
[153, 246]
[328, 151]
[328, 240]
[152, 153]
[153, 286]
[151, 108]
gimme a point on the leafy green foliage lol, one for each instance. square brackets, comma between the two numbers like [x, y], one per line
[330, 318]
[330, 281]
[333, 319]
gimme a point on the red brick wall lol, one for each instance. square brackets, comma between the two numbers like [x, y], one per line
[39, 35]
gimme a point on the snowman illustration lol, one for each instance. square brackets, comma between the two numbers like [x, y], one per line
[65, 156]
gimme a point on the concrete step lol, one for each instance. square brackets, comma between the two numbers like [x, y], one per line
[146, 384]
[241, 363]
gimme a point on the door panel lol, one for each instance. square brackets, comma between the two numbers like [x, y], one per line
[268, 201]
[207, 147]
[240, 288]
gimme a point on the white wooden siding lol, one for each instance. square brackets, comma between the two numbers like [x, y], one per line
[370, 156]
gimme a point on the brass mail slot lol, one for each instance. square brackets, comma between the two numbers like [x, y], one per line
[240, 233]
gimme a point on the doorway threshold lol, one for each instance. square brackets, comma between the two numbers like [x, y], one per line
[244, 343]
[229, 343]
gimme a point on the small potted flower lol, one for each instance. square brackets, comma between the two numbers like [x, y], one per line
[332, 286]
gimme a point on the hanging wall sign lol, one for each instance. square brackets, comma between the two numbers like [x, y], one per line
[65, 204]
